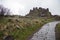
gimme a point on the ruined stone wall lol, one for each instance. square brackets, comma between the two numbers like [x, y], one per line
[39, 12]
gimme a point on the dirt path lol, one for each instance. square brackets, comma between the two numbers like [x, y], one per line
[47, 32]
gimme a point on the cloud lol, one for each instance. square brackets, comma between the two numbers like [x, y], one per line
[53, 5]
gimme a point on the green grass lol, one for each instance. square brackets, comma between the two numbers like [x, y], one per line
[57, 30]
[24, 33]
[28, 26]
[3, 20]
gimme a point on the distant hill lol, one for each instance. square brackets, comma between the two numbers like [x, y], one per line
[39, 12]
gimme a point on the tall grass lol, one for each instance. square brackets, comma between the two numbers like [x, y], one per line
[21, 28]
[57, 30]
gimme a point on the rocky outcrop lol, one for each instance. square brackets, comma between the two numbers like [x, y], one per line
[39, 12]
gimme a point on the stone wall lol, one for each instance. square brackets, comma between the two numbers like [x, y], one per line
[39, 12]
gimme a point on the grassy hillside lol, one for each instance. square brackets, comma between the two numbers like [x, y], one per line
[21, 28]
[57, 29]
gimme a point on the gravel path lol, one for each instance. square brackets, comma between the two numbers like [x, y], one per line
[47, 32]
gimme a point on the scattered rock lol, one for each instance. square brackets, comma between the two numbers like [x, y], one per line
[9, 37]
[18, 27]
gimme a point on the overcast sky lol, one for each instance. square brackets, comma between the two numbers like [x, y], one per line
[22, 7]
